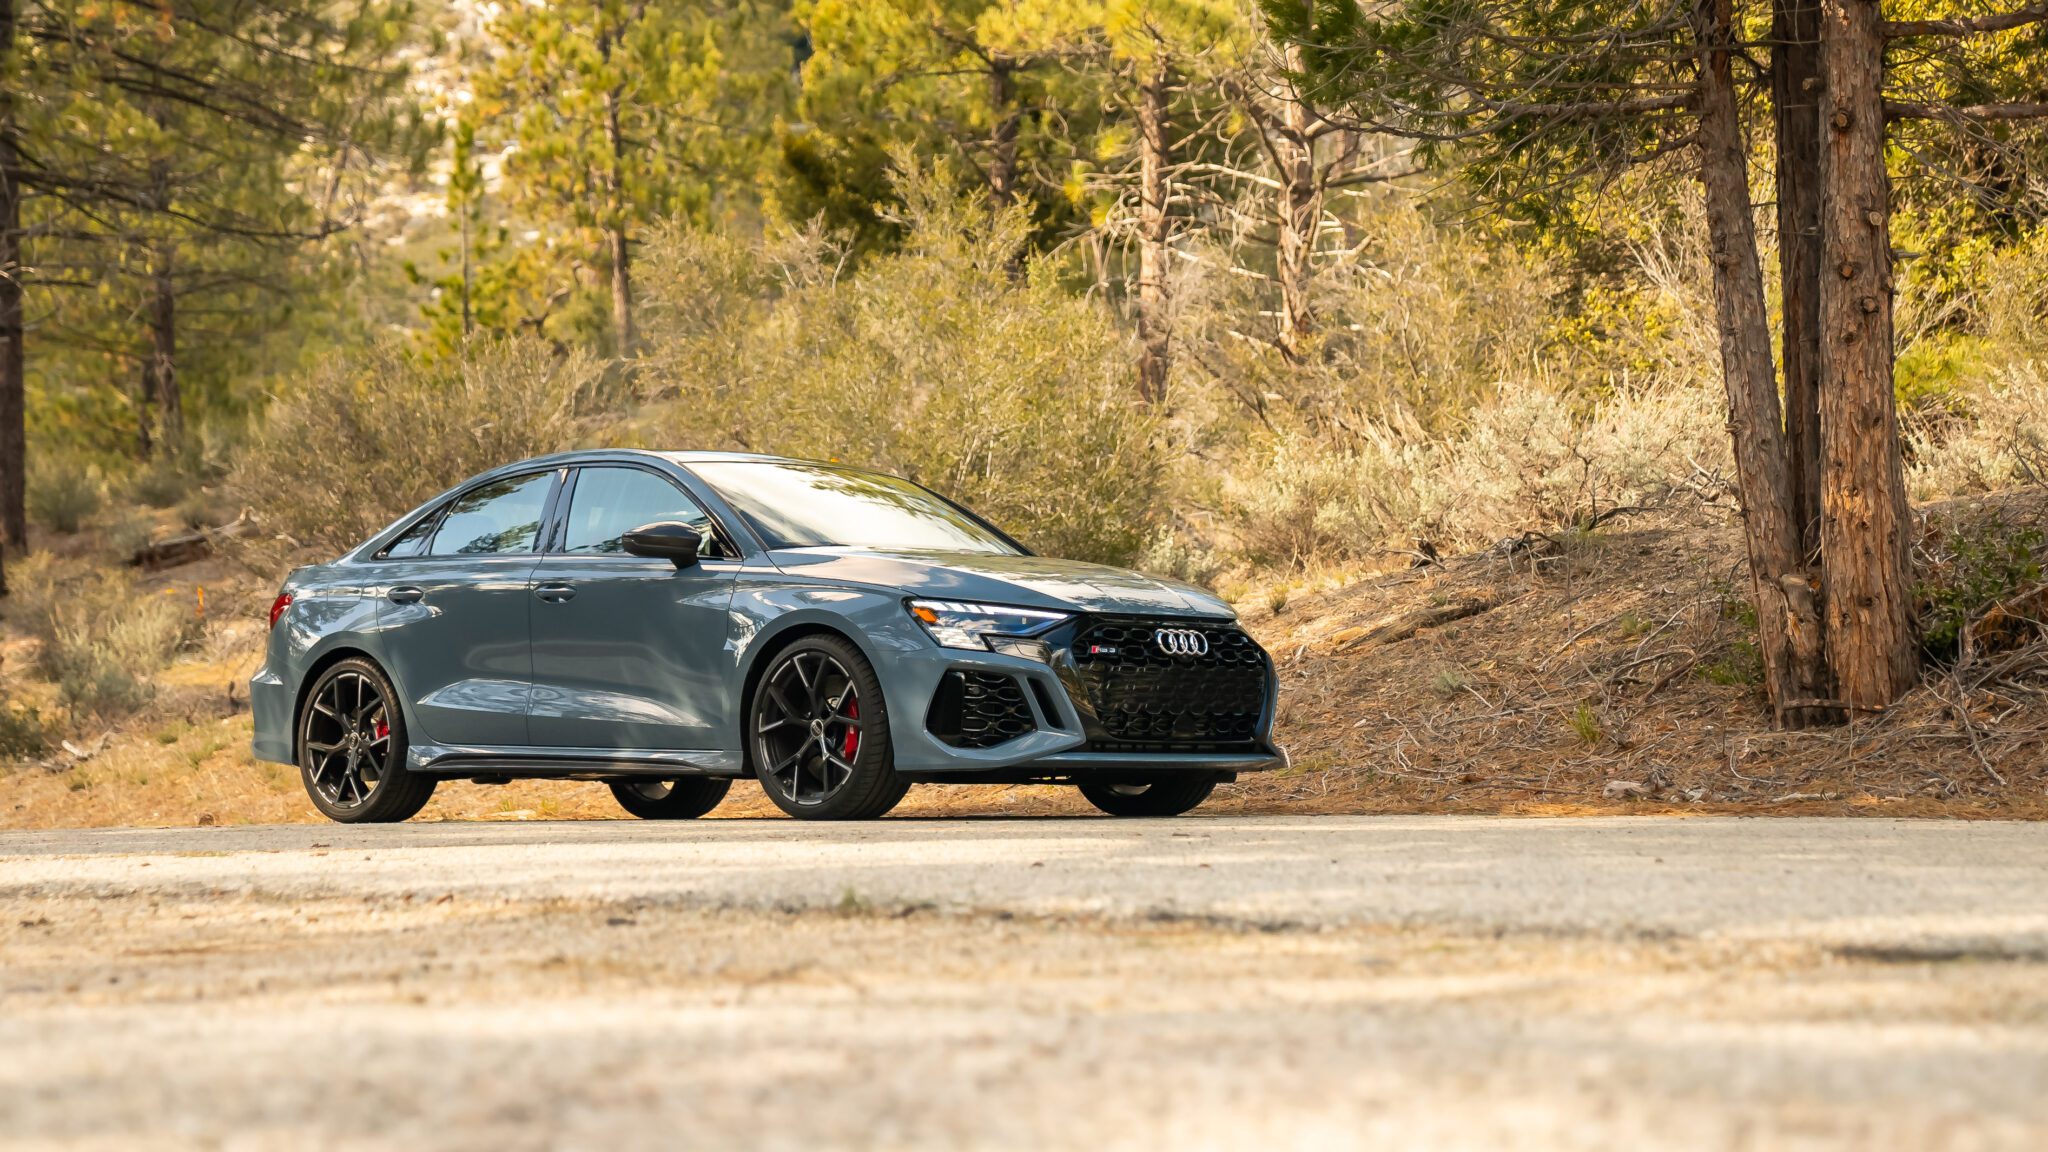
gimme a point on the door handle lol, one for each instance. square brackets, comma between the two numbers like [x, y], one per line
[555, 593]
[404, 594]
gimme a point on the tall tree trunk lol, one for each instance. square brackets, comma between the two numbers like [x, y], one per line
[1002, 143]
[1865, 522]
[1787, 631]
[1154, 157]
[468, 276]
[1795, 101]
[13, 363]
[1300, 214]
[163, 348]
[615, 230]
[145, 407]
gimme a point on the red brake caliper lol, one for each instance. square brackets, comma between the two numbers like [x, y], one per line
[850, 743]
[383, 729]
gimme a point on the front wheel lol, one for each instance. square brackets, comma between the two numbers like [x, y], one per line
[1171, 795]
[818, 732]
[684, 798]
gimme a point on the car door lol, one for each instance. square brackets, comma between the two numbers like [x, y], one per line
[454, 614]
[629, 652]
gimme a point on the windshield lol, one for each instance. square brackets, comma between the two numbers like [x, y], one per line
[818, 505]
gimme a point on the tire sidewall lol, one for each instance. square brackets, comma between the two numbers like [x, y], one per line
[688, 797]
[1173, 795]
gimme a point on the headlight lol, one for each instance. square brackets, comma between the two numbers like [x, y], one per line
[985, 627]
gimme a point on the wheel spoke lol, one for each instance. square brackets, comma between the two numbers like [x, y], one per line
[789, 711]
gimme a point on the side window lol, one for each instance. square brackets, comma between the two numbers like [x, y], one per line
[610, 502]
[498, 518]
[413, 541]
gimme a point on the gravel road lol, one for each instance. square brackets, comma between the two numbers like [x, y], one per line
[1196, 983]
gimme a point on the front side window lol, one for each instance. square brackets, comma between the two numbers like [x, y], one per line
[495, 519]
[610, 502]
[798, 505]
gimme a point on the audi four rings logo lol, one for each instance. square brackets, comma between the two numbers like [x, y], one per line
[1181, 642]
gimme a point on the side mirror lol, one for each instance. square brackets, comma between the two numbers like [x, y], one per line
[667, 540]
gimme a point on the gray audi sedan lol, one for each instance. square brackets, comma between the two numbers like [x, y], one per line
[667, 622]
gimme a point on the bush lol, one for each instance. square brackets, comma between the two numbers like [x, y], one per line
[367, 436]
[101, 639]
[1972, 573]
[22, 732]
[2002, 444]
[939, 363]
[1530, 458]
[161, 482]
[63, 492]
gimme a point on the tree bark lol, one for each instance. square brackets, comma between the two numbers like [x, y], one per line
[1154, 157]
[1002, 143]
[1795, 100]
[13, 362]
[615, 229]
[1300, 214]
[1865, 522]
[1787, 631]
[163, 348]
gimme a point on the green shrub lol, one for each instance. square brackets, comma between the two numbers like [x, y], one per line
[63, 492]
[161, 482]
[22, 732]
[941, 364]
[1973, 569]
[367, 436]
[101, 638]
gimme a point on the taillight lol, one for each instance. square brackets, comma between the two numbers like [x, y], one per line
[277, 606]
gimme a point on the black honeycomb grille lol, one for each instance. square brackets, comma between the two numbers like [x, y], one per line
[1148, 700]
[979, 710]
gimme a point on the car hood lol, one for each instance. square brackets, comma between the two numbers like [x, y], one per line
[1022, 581]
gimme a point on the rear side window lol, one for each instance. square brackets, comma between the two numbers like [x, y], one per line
[413, 541]
[495, 519]
[610, 502]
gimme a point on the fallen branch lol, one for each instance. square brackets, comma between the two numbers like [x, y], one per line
[1401, 625]
[189, 547]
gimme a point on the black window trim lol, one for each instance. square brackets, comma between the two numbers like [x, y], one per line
[557, 536]
[440, 512]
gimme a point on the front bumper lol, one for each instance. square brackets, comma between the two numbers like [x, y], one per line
[1066, 741]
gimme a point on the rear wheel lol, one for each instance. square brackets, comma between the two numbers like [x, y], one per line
[818, 732]
[352, 748]
[684, 798]
[1171, 795]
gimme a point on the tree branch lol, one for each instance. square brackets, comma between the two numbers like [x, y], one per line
[1960, 113]
[1968, 26]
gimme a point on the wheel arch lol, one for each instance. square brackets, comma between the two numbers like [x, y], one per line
[317, 669]
[765, 653]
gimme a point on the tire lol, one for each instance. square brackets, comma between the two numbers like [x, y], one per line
[350, 739]
[818, 733]
[684, 798]
[1171, 795]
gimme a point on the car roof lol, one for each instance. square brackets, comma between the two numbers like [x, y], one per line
[674, 457]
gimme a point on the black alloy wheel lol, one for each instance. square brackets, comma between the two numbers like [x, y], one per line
[684, 798]
[1170, 795]
[352, 748]
[818, 733]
